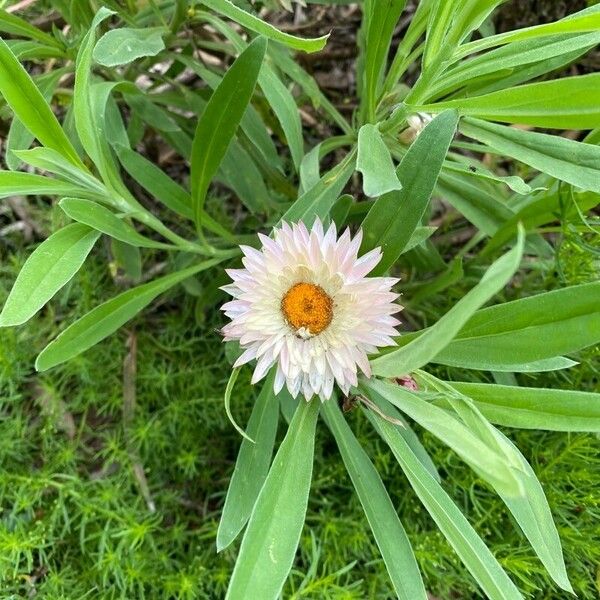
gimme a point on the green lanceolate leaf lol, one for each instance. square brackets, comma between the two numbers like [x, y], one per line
[424, 348]
[11, 23]
[568, 103]
[486, 461]
[156, 182]
[109, 316]
[164, 189]
[516, 62]
[51, 265]
[16, 183]
[228, 9]
[89, 105]
[452, 523]
[276, 93]
[387, 529]
[540, 211]
[19, 137]
[122, 46]
[285, 108]
[271, 538]
[535, 408]
[251, 467]
[47, 159]
[318, 200]
[586, 20]
[577, 163]
[530, 509]
[28, 104]
[380, 21]
[394, 217]
[101, 219]
[528, 330]
[220, 120]
[375, 163]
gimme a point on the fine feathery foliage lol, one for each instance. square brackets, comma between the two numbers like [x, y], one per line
[116, 457]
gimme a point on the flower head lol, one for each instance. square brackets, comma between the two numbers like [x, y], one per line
[303, 303]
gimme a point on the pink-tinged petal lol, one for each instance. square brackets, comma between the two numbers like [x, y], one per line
[317, 229]
[262, 367]
[279, 380]
[246, 356]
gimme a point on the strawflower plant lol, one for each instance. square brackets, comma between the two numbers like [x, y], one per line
[315, 299]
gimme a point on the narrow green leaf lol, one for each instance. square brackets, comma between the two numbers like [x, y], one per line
[486, 461]
[251, 467]
[244, 177]
[583, 21]
[375, 163]
[577, 163]
[230, 10]
[535, 408]
[567, 103]
[394, 217]
[16, 183]
[220, 120]
[271, 538]
[392, 541]
[520, 59]
[318, 200]
[89, 105]
[109, 316]
[530, 509]
[29, 106]
[539, 211]
[101, 219]
[227, 402]
[277, 94]
[47, 159]
[285, 108]
[19, 137]
[478, 204]
[526, 330]
[463, 538]
[126, 44]
[15, 25]
[51, 265]
[428, 345]
[156, 182]
[380, 20]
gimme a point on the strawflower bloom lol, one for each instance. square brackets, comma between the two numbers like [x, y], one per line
[303, 303]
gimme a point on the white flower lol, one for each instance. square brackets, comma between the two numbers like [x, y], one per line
[303, 303]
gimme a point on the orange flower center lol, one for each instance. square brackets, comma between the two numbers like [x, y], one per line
[307, 305]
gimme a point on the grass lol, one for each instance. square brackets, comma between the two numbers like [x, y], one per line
[115, 465]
